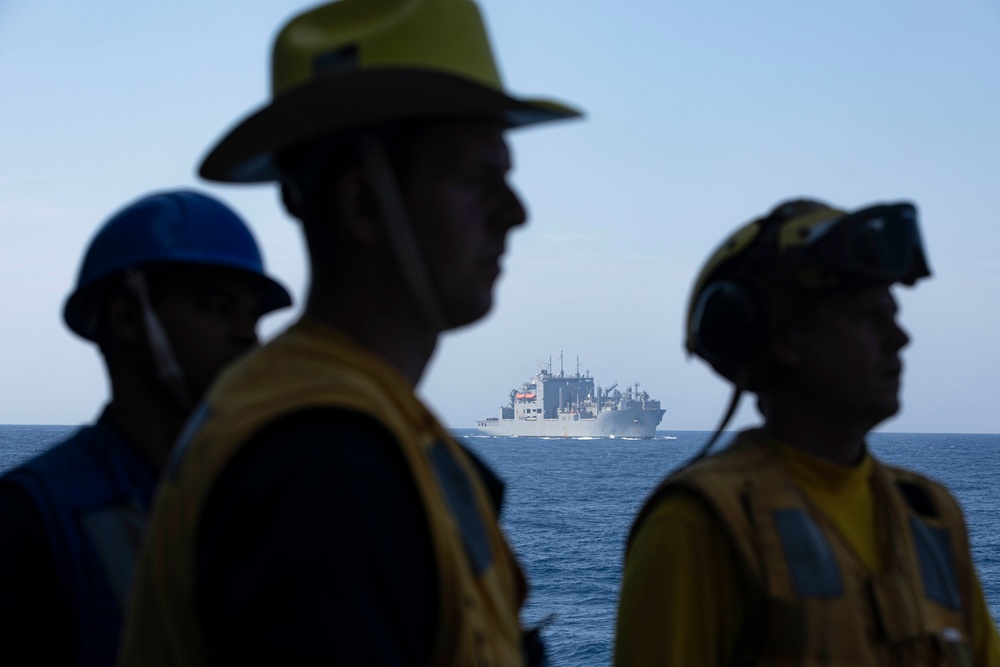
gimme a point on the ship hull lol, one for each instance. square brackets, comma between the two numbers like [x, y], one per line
[608, 424]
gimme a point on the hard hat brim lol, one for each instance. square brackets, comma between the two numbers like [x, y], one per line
[351, 102]
[79, 311]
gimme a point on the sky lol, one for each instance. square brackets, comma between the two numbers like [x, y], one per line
[699, 117]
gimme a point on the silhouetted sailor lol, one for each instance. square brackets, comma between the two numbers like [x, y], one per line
[170, 290]
[794, 545]
[320, 513]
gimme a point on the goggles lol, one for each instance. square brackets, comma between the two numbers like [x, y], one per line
[880, 244]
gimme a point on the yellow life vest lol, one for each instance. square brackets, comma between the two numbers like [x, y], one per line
[480, 585]
[818, 603]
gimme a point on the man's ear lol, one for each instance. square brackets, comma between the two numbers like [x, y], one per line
[122, 317]
[786, 348]
[356, 207]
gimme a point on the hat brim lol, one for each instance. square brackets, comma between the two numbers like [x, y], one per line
[80, 311]
[273, 296]
[350, 102]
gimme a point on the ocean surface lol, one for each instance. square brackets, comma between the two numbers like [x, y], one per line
[569, 505]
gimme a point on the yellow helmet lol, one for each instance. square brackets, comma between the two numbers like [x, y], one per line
[802, 245]
[354, 64]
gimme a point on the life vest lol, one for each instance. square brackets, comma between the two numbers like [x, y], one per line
[480, 586]
[92, 493]
[818, 603]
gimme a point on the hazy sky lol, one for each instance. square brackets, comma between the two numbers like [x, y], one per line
[700, 116]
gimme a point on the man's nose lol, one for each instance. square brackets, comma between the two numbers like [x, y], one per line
[513, 212]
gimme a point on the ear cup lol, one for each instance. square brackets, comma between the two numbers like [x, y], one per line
[727, 325]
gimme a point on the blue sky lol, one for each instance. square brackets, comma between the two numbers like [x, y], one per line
[700, 116]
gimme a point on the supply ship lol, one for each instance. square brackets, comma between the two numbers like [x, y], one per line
[572, 406]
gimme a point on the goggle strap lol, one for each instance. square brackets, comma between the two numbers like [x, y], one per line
[734, 403]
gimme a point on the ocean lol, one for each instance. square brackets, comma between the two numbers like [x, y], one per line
[569, 504]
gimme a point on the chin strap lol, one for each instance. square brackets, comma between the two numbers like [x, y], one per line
[730, 411]
[168, 370]
[400, 233]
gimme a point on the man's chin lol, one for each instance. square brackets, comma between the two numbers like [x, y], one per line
[463, 314]
[883, 411]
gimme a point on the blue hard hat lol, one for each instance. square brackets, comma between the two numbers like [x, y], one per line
[176, 227]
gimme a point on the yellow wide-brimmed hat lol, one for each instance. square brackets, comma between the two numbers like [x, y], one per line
[354, 64]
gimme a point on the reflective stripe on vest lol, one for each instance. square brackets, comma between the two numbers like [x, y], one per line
[115, 533]
[937, 565]
[461, 499]
[810, 558]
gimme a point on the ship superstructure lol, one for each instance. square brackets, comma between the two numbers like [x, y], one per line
[572, 406]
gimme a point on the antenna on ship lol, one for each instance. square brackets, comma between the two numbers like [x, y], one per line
[561, 372]
[578, 365]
